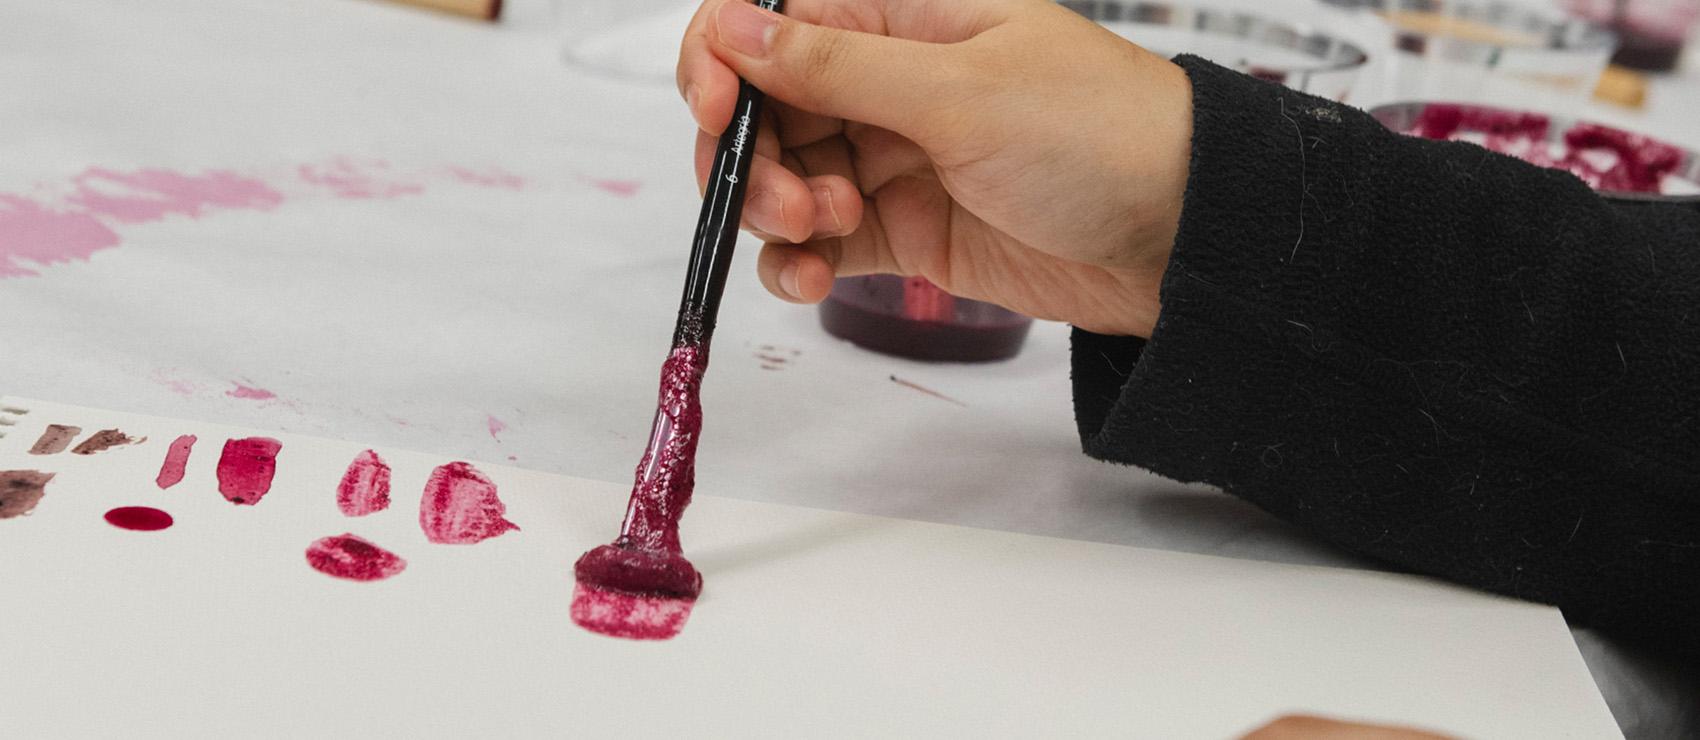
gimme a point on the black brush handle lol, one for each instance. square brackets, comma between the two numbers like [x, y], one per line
[722, 210]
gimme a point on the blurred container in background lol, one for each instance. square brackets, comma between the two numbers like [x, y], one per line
[1488, 50]
[1651, 33]
[1302, 58]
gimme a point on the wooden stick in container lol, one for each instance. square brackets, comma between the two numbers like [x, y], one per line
[483, 9]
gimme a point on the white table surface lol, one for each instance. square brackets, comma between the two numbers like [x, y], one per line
[523, 320]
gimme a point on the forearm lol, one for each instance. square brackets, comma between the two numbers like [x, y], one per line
[1426, 353]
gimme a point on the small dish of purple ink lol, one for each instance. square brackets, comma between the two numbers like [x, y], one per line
[1617, 163]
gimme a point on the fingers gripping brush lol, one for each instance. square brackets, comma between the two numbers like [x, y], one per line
[647, 558]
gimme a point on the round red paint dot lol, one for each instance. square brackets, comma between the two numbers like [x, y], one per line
[139, 518]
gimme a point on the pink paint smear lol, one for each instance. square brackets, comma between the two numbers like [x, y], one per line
[629, 616]
[71, 227]
[495, 425]
[365, 487]
[353, 558]
[245, 469]
[460, 507]
[176, 461]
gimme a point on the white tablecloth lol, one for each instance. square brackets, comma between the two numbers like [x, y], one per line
[426, 232]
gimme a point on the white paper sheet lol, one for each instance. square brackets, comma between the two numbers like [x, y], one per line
[811, 622]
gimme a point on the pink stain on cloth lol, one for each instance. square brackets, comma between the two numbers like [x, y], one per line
[460, 507]
[620, 188]
[31, 232]
[346, 177]
[71, 227]
[365, 487]
[246, 468]
[248, 392]
[150, 194]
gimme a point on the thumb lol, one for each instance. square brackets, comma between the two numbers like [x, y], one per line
[891, 83]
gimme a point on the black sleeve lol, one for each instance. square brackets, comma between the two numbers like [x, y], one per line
[1427, 353]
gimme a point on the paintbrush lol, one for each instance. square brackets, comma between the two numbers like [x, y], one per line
[647, 557]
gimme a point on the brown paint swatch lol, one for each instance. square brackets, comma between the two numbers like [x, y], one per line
[20, 490]
[55, 439]
[103, 440]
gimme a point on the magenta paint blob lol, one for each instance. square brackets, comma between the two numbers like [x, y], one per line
[353, 558]
[246, 467]
[176, 461]
[460, 506]
[365, 487]
[647, 557]
[629, 616]
[139, 518]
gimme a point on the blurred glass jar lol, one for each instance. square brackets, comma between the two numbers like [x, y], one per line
[1304, 59]
[1651, 33]
[1488, 51]
[631, 39]
[911, 317]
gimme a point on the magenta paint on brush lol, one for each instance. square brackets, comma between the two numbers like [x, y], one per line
[646, 561]
[246, 468]
[461, 507]
[176, 461]
[365, 486]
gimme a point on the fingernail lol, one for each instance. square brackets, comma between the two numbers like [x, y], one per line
[823, 196]
[768, 208]
[788, 280]
[745, 28]
[691, 100]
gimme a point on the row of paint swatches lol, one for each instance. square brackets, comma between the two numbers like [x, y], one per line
[460, 505]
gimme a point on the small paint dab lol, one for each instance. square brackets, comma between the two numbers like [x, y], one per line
[365, 487]
[172, 382]
[21, 490]
[629, 616]
[347, 178]
[513, 458]
[176, 460]
[460, 506]
[103, 440]
[245, 469]
[488, 177]
[43, 236]
[55, 439]
[495, 425]
[620, 188]
[139, 518]
[250, 393]
[926, 390]
[353, 558]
